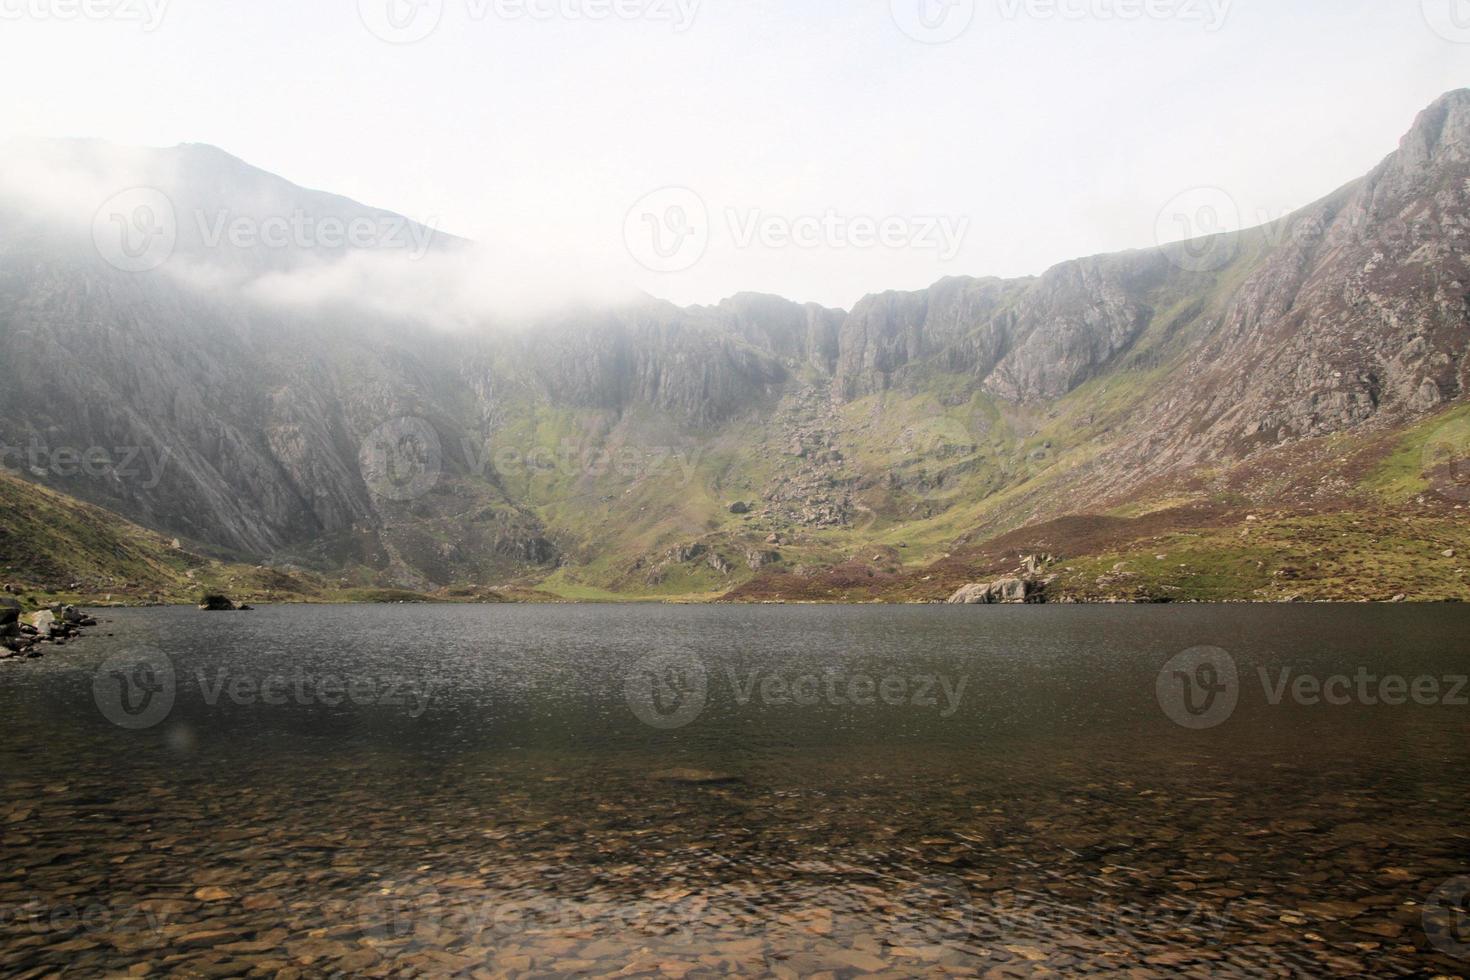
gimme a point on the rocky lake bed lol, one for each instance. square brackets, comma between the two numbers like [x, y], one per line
[531, 812]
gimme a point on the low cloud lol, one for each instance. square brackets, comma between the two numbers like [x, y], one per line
[241, 235]
[65, 181]
[459, 289]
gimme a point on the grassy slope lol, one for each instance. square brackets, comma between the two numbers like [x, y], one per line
[54, 548]
[1345, 556]
[1397, 529]
[1373, 540]
[1386, 536]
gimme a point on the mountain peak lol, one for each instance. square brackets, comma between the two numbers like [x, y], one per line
[1441, 133]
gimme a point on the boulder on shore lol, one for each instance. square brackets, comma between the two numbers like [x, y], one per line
[43, 622]
[218, 603]
[22, 636]
[1001, 591]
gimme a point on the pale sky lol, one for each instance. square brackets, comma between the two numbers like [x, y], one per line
[980, 137]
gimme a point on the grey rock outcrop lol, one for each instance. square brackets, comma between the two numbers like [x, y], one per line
[1004, 591]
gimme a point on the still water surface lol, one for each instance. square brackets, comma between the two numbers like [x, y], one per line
[651, 790]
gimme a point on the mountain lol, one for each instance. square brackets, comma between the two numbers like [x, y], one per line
[355, 405]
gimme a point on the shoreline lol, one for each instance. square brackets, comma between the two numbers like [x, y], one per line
[83, 602]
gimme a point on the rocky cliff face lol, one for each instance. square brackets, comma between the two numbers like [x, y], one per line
[1351, 314]
[798, 334]
[958, 325]
[1358, 313]
[1023, 340]
[650, 354]
[1352, 311]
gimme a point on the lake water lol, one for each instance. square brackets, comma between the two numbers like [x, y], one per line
[656, 790]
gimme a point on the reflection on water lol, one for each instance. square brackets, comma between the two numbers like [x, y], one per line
[693, 791]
